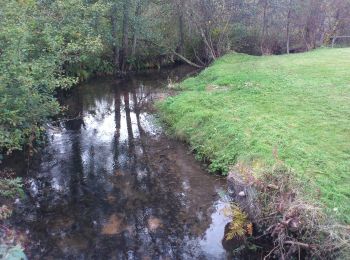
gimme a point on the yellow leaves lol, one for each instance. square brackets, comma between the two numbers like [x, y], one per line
[236, 229]
[240, 225]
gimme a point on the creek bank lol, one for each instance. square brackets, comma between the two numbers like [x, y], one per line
[109, 183]
[232, 115]
[265, 204]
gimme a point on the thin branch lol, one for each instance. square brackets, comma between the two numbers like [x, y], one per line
[298, 244]
[268, 255]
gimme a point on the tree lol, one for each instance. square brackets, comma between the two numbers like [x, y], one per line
[37, 56]
[289, 12]
[124, 51]
[50, 45]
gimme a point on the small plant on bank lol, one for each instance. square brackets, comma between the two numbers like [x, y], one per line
[10, 188]
[10, 240]
[240, 225]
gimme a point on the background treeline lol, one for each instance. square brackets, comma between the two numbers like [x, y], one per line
[46, 45]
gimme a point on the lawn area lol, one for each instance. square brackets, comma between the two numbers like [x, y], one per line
[292, 108]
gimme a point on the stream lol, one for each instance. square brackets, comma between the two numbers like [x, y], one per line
[109, 184]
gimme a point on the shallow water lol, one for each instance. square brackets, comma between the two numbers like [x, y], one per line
[109, 184]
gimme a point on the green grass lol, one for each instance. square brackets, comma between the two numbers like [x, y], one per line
[252, 108]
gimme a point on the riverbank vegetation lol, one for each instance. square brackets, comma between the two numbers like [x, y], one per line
[48, 45]
[264, 111]
[258, 109]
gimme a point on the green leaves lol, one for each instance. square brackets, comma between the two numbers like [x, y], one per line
[11, 187]
[43, 47]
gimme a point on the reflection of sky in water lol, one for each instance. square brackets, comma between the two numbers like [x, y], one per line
[211, 243]
[97, 136]
[102, 175]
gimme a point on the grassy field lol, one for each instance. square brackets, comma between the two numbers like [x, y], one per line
[290, 108]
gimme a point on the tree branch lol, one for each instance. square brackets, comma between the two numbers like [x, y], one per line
[187, 60]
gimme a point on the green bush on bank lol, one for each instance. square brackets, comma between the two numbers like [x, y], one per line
[292, 108]
[38, 55]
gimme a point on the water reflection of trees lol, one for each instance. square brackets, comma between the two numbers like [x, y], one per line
[132, 205]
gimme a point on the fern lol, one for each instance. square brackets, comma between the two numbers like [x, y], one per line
[239, 225]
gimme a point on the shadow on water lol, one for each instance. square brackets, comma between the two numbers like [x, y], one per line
[110, 185]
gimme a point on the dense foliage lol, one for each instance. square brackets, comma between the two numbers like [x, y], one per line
[50, 44]
[34, 50]
[261, 113]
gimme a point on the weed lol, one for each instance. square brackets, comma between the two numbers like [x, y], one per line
[239, 225]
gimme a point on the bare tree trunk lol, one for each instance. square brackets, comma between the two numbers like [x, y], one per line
[136, 31]
[206, 42]
[288, 25]
[180, 10]
[181, 34]
[115, 50]
[313, 23]
[264, 29]
[197, 57]
[125, 42]
[333, 29]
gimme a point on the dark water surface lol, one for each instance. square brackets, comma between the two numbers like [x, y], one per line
[110, 185]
